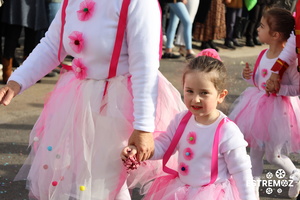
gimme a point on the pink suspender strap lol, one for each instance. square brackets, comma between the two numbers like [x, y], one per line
[256, 65]
[215, 152]
[63, 21]
[118, 43]
[174, 143]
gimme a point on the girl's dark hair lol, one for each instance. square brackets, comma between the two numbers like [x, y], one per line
[208, 64]
[280, 20]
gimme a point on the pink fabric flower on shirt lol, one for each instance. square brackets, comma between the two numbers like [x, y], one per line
[264, 73]
[188, 154]
[76, 41]
[191, 138]
[263, 85]
[183, 169]
[86, 10]
[79, 69]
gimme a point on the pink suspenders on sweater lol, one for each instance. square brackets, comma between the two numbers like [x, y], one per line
[256, 65]
[176, 138]
[118, 42]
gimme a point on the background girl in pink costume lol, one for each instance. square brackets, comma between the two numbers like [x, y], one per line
[212, 158]
[106, 100]
[271, 124]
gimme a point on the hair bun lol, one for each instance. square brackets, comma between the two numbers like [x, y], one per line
[209, 52]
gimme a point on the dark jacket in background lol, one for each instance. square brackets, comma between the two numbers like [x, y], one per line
[26, 13]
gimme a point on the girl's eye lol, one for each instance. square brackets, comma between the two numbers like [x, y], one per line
[204, 93]
[189, 91]
[261, 25]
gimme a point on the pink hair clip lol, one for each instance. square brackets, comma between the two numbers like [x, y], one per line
[209, 52]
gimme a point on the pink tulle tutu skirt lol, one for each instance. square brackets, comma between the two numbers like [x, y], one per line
[171, 188]
[274, 120]
[77, 140]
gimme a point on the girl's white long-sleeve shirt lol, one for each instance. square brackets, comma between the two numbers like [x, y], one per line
[289, 85]
[232, 156]
[139, 54]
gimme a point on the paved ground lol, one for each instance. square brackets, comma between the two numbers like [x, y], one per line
[17, 119]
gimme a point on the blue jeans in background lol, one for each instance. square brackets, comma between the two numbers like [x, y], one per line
[178, 11]
[53, 8]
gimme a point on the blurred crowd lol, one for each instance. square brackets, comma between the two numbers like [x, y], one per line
[233, 21]
[31, 18]
[182, 21]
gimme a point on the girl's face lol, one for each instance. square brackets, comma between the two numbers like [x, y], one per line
[201, 97]
[264, 31]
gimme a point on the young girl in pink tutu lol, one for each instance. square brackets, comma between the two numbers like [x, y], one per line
[212, 158]
[271, 124]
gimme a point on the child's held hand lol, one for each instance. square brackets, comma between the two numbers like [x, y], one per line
[128, 151]
[270, 86]
[10, 90]
[128, 155]
[273, 84]
[247, 72]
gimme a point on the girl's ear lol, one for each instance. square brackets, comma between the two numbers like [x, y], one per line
[222, 96]
[276, 35]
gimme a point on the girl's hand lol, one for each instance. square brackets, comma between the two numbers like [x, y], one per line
[270, 86]
[128, 151]
[247, 72]
[227, 1]
[275, 80]
[128, 156]
[9, 91]
[144, 143]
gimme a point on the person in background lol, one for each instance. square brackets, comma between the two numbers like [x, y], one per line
[234, 10]
[192, 7]
[213, 27]
[16, 15]
[178, 11]
[254, 16]
[271, 123]
[53, 7]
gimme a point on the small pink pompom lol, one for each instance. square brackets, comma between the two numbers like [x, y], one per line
[209, 52]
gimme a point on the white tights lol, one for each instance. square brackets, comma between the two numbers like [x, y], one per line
[274, 157]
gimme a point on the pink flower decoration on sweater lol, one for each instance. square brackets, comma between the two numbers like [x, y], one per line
[86, 10]
[263, 85]
[76, 41]
[264, 73]
[183, 169]
[79, 69]
[188, 154]
[191, 138]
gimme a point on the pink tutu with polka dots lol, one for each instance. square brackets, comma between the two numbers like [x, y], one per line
[274, 120]
[75, 147]
[171, 188]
